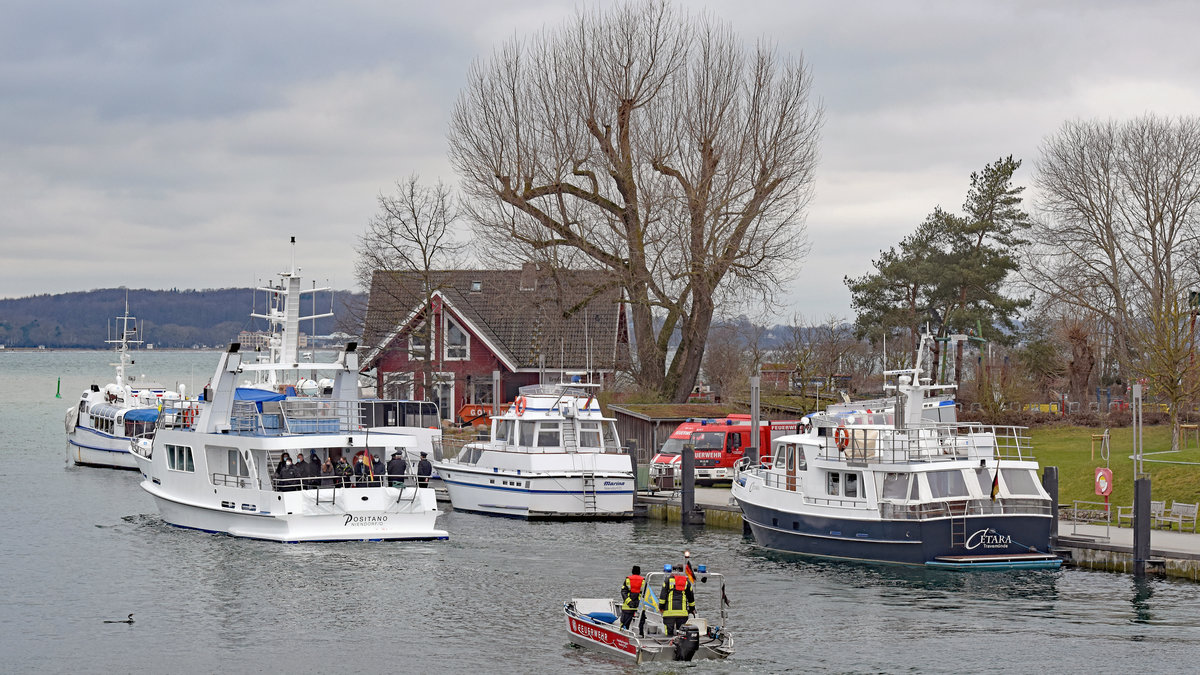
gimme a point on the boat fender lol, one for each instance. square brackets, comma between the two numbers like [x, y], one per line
[687, 641]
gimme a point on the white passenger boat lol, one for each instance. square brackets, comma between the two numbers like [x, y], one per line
[595, 623]
[552, 454]
[100, 426]
[214, 465]
[894, 486]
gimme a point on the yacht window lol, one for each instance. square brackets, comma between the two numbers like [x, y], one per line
[895, 485]
[548, 435]
[504, 429]
[947, 484]
[834, 484]
[526, 429]
[791, 458]
[610, 434]
[801, 462]
[237, 464]
[851, 485]
[914, 492]
[179, 458]
[589, 435]
[1018, 482]
[985, 481]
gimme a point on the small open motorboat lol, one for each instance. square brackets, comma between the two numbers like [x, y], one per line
[595, 623]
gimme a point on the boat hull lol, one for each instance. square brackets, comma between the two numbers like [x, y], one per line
[536, 497]
[629, 646]
[907, 542]
[86, 447]
[325, 514]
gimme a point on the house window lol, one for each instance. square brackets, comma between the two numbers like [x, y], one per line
[418, 342]
[456, 341]
[398, 386]
[476, 286]
[179, 458]
[443, 393]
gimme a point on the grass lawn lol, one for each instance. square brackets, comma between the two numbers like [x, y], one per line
[1069, 448]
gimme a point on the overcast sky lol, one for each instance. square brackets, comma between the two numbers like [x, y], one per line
[179, 144]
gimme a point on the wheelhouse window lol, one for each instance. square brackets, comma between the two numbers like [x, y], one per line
[589, 435]
[610, 434]
[237, 464]
[850, 485]
[834, 484]
[548, 435]
[504, 431]
[1019, 482]
[179, 458]
[527, 429]
[895, 486]
[457, 345]
[947, 484]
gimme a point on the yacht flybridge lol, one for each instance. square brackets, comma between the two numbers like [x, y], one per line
[551, 454]
[217, 465]
[890, 484]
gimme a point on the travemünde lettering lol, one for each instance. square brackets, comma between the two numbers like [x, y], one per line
[360, 521]
[988, 539]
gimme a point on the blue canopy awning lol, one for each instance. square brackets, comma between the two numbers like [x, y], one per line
[141, 415]
[259, 395]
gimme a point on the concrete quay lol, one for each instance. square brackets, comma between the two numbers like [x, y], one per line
[1087, 545]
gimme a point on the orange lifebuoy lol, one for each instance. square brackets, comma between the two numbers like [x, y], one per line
[520, 406]
[189, 416]
[841, 437]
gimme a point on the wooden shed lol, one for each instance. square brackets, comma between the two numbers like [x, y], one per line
[651, 424]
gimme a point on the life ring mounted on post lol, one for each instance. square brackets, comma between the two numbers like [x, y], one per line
[520, 406]
[841, 436]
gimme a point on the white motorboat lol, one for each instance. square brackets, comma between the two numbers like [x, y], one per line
[595, 623]
[552, 454]
[890, 484]
[215, 465]
[100, 426]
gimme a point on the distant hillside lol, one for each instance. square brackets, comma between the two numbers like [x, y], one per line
[167, 319]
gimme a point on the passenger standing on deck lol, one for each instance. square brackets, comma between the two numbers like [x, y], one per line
[283, 459]
[301, 469]
[287, 476]
[631, 595]
[676, 600]
[424, 471]
[396, 468]
[344, 472]
[328, 475]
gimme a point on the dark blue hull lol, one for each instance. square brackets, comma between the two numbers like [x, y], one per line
[907, 542]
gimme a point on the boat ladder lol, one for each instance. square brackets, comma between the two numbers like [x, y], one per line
[589, 492]
[958, 531]
[568, 435]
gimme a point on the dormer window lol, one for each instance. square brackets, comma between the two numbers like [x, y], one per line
[457, 344]
[476, 286]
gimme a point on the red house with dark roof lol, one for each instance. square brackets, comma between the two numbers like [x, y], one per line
[527, 325]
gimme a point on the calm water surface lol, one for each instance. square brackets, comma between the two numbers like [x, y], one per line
[78, 546]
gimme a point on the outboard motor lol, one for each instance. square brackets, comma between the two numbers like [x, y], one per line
[687, 641]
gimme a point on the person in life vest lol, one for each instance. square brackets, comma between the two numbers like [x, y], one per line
[631, 596]
[676, 600]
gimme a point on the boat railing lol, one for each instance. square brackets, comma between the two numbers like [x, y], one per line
[318, 483]
[227, 480]
[933, 442]
[964, 507]
[178, 414]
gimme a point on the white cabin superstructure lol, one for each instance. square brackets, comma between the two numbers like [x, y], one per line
[552, 454]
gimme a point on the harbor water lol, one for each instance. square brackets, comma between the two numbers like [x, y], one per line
[81, 545]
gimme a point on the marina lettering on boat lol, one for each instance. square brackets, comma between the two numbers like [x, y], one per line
[614, 483]
[362, 521]
[988, 539]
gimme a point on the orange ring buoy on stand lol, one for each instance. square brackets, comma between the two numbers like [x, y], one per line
[520, 406]
[842, 437]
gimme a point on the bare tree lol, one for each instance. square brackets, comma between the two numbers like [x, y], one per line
[1121, 208]
[726, 364]
[651, 144]
[412, 234]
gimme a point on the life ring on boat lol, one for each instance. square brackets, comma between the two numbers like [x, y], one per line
[189, 416]
[841, 436]
[520, 406]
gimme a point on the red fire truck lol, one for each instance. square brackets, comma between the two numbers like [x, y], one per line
[719, 444]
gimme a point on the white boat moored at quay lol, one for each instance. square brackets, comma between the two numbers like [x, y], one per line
[894, 486]
[104, 421]
[552, 454]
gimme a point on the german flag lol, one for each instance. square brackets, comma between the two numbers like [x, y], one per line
[996, 484]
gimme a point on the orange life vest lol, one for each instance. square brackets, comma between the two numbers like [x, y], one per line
[635, 582]
[680, 582]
